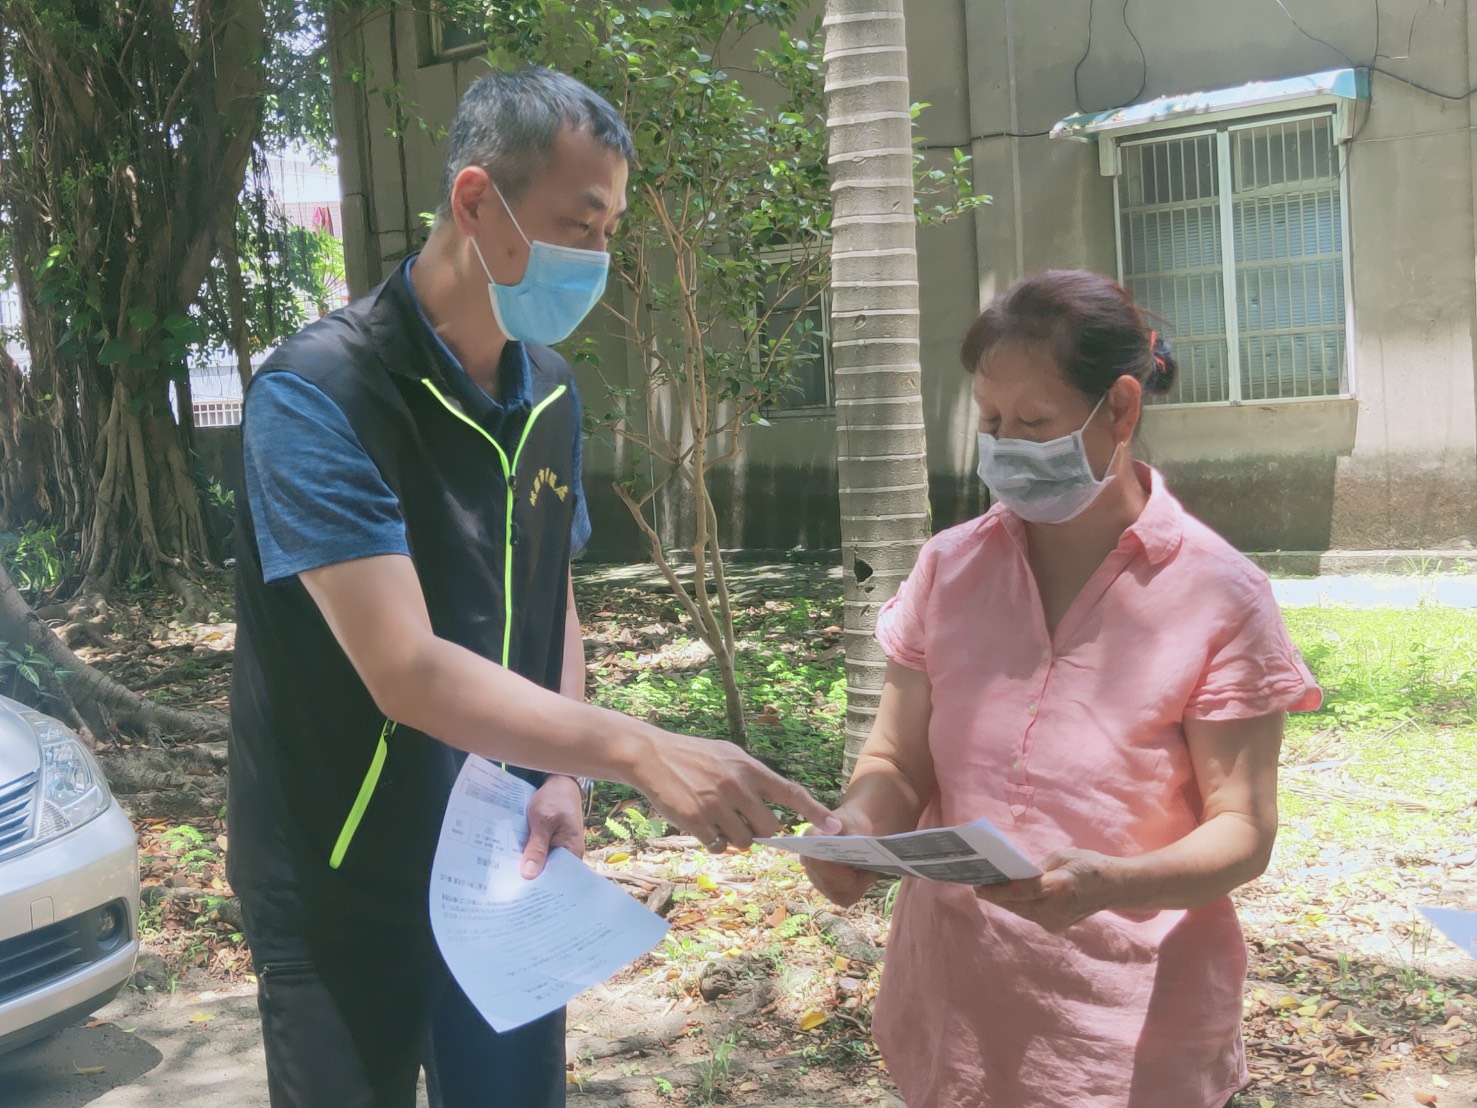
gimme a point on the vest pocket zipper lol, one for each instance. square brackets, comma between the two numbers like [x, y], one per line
[361, 801]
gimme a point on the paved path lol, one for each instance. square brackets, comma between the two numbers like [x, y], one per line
[1457, 590]
[1372, 589]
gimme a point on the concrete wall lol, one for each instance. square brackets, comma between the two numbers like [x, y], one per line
[1394, 466]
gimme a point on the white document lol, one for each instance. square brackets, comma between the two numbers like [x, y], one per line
[970, 854]
[1458, 926]
[521, 949]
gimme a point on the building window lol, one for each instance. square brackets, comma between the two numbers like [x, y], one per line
[801, 318]
[1236, 237]
[454, 38]
[216, 413]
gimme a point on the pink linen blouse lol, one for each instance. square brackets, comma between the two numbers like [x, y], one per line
[1076, 740]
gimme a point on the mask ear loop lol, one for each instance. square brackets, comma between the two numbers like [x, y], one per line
[516, 227]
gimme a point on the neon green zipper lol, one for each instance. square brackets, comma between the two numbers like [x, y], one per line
[510, 477]
[361, 802]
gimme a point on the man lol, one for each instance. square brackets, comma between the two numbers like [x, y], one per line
[413, 497]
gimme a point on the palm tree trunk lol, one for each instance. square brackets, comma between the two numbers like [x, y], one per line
[881, 457]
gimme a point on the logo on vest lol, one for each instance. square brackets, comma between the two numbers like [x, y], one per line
[547, 479]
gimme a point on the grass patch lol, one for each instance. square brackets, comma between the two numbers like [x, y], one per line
[1388, 762]
[789, 667]
[1394, 742]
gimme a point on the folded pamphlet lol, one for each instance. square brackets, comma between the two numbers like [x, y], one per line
[969, 854]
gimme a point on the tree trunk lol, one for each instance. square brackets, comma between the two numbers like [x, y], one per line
[22, 484]
[881, 460]
[236, 304]
[124, 160]
[103, 705]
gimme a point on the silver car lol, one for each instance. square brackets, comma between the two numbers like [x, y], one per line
[68, 880]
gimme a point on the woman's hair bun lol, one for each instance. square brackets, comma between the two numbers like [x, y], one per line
[1162, 373]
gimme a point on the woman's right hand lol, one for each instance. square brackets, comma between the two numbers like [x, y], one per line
[841, 885]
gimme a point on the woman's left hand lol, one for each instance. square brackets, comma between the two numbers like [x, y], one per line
[1073, 885]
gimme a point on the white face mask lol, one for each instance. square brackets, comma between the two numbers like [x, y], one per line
[1043, 482]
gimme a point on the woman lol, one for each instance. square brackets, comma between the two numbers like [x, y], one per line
[1106, 680]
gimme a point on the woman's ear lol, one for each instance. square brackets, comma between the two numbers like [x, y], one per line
[1125, 401]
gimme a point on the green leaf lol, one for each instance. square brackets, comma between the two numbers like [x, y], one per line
[114, 351]
[141, 318]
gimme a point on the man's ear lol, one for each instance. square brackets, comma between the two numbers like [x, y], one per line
[470, 191]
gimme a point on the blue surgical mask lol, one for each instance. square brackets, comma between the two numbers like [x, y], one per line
[1043, 482]
[559, 287]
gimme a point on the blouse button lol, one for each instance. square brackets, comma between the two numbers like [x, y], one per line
[1031, 708]
[1046, 655]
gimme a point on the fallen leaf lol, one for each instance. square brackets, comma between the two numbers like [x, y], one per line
[618, 856]
[202, 1017]
[88, 1071]
[812, 1019]
[706, 883]
[96, 1023]
[1264, 1102]
[1439, 1081]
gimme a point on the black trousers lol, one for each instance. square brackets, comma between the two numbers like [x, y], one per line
[351, 1014]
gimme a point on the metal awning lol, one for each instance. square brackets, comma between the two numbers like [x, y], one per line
[1336, 88]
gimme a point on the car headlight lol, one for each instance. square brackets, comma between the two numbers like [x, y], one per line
[73, 789]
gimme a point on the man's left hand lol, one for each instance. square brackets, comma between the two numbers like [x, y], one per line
[556, 817]
[1073, 885]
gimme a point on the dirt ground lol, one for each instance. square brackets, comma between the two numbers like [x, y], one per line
[700, 1023]
[761, 995]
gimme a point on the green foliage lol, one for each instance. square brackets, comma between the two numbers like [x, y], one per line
[1379, 666]
[192, 847]
[35, 560]
[29, 676]
[112, 206]
[1385, 760]
[725, 256]
[636, 828]
[713, 1072]
[797, 690]
[729, 200]
[297, 103]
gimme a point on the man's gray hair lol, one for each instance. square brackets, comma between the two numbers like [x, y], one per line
[507, 122]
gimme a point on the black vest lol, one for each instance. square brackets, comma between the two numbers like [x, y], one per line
[327, 799]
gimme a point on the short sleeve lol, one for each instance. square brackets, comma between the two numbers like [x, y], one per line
[1254, 669]
[901, 624]
[316, 496]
